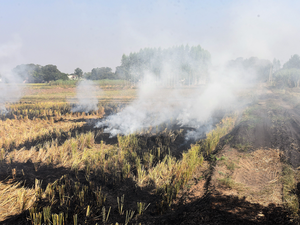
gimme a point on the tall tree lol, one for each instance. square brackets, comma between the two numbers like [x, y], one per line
[101, 73]
[78, 73]
[176, 65]
[276, 65]
[50, 72]
[35, 73]
[294, 62]
[252, 69]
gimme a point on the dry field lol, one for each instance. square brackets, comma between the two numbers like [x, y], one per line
[57, 168]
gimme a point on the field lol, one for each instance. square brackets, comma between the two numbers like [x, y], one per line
[57, 168]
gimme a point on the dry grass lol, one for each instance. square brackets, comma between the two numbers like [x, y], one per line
[111, 163]
[257, 175]
[80, 199]
[14, 199]
[213, 137]
[14, 133]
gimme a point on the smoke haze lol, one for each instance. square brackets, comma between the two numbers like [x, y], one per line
[10, 89]
[86, 96]
[227, 29]
[194, 106]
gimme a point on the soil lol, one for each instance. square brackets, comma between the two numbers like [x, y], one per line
[272, 122]
[255, 176]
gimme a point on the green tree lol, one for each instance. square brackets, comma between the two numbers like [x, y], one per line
[87, 75]
[287, 78]
[294, 62]
[101, 73]
[179, 64]
[252, 69]
[36, 74]
[276, 65]
[78, 73]
[289, 75]
[50, 72]
[29, 72]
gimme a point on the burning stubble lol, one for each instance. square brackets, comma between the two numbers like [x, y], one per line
[185, 106]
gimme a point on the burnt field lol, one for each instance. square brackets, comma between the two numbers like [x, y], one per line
[57, 167]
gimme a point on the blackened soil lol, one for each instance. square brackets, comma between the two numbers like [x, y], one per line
[271, 123]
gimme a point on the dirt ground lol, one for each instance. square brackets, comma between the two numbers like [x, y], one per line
[255, 176]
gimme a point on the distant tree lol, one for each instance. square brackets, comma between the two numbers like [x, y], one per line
[276, 65]
[289, 74]
[29, 72]
[36, 74]
[87, 75]
[294, 62]
[252, 69]
[177, 65]
[78, 73]
[50, 72]
[121, 73]
[287, 78]
[101, 73]
[25, 71]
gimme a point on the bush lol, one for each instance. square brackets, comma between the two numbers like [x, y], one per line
[287, 78]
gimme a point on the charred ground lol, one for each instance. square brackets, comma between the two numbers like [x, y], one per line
[258, 158]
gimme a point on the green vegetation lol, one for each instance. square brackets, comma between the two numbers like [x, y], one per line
[185, 64]
[289, 75]
[63, 83]
[227, 182]
[252, 69]
[289, 185]
[213, 137]
[287, 78]
[35, 73]
[189, 66]
[101, 73]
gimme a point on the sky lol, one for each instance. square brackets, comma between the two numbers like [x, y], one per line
[89, 34]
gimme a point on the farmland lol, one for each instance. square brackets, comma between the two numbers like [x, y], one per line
[58, 168]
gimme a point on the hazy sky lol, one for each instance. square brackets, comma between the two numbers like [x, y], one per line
[89, 34]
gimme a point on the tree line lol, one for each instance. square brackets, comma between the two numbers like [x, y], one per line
[175, 65]
[33, 73]
[178, 65]
[252, 69]
[289, 74]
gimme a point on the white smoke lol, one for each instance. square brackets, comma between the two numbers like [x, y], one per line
[189, 106]
[10, 84]
[86, 96]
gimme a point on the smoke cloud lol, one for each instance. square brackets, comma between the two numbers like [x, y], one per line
[86, 96]
[195, 107]
[10, 84]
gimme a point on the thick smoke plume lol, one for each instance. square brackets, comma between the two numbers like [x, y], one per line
[86, 96]
[193, 106]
